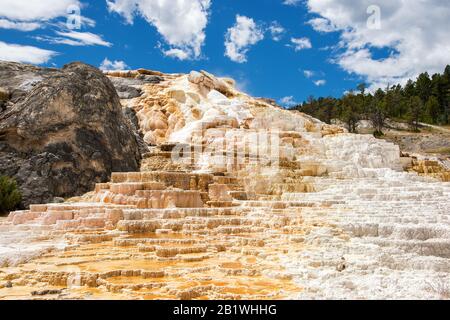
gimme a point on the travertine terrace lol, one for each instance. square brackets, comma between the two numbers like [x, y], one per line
[237, 199]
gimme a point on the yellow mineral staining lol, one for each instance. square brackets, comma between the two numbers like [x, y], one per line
[431, 168]
[173, 235]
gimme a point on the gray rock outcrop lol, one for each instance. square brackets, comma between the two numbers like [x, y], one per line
[62, 131]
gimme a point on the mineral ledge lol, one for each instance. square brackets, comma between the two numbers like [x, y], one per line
[323, 215]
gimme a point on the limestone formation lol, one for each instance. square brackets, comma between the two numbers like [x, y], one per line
[62, 130]
[236, 199]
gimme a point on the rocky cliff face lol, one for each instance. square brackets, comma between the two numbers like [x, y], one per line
[61, 131]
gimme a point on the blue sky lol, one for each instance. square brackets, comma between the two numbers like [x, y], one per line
[271, 68]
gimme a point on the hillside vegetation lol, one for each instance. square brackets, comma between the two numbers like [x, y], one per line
[10, 196]
[425, 100]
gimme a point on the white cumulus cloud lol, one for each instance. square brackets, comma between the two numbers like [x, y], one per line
[291, 2]
[276, 31]
[308, 73]
[177, 53]
[31, 10]
[288, 101]
[75, 38]
[113, 65]
[240, 37]
[24, 54]
[322, 25]
[181, 23]
[319, 83]
[300, 43]
[415, 32]
[21, 26]
[29, 15]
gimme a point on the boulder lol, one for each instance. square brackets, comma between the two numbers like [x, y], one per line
[64, 131]
[130, 88]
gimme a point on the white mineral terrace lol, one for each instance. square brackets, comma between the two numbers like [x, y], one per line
[308, 212]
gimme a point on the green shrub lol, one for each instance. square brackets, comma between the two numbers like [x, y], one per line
[10, 196]
[378, 134]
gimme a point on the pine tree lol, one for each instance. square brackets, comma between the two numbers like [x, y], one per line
[410, 89]
[396, 107]
[447, 108]
[432, 109]
[437, 89]
[446, 89]
[415, 112]
[328, 109]
[378, 113]
[362, 88]
[350, 113]
[362, 97]
[423, 86]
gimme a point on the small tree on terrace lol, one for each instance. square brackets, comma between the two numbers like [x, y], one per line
[378, 114]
